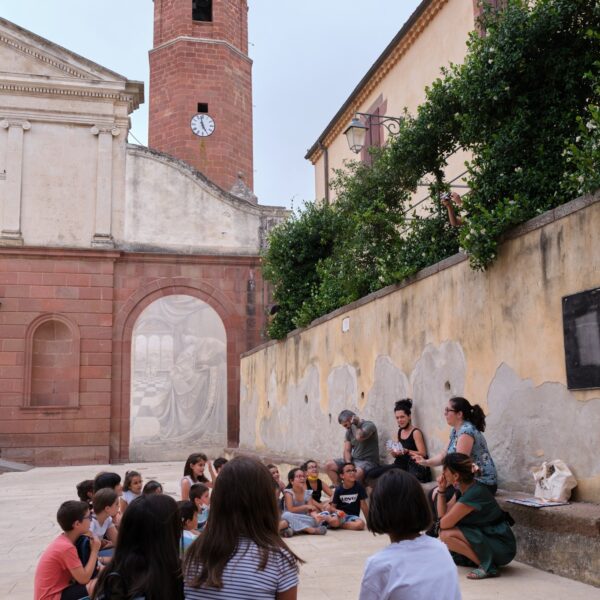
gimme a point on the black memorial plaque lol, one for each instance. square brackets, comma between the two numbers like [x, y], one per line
[581, 323]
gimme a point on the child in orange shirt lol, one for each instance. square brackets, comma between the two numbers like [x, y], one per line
[60, 563]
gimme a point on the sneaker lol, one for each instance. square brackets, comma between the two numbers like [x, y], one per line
[321, 530]
[287, 533]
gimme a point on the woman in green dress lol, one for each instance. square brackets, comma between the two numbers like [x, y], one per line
[475, 529]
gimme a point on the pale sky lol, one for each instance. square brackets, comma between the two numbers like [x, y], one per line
[308, 56]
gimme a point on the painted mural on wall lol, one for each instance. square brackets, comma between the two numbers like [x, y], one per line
[179, 379]
[298, 423]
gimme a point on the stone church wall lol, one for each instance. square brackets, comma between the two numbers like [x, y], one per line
[495, 337]
[101, 295]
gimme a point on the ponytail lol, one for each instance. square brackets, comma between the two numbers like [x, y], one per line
[473, 414]
[478, 417]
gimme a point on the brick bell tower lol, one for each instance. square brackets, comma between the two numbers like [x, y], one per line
[201, 88]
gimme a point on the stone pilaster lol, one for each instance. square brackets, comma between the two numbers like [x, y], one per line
[103, 214]
[11, 235]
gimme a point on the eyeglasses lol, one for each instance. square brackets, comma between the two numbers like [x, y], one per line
[88, 517]
[449, 410]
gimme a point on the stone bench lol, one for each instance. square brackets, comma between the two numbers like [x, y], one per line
[564, 540]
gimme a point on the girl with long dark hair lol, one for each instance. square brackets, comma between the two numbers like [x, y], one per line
[193, 472]
[240, 553]
[146, 561]
[300, 510]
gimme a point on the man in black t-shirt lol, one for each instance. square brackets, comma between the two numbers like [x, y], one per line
[349, 498]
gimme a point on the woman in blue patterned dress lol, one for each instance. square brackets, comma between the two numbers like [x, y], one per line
[468, 424]
[466, 437]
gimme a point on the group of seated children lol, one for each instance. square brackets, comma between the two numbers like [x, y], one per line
[70, 565]
[303, 510]
[91, 559]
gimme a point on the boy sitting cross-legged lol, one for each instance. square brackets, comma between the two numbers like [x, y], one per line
[60, 563]
[348, 500]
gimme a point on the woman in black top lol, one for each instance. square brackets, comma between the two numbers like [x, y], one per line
[411, 439]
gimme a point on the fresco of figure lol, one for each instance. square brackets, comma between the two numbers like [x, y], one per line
[190, 402]
[179, 379]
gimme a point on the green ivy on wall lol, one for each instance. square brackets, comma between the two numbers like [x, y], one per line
[524, 103]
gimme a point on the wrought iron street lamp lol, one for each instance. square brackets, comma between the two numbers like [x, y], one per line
[356, 132]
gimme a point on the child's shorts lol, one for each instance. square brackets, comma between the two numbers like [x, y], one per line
[341, 515]
[348, 519]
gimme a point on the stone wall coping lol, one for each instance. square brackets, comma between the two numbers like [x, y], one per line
[582, 518]
[550, 216]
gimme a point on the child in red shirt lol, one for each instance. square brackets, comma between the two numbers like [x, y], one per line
[60, 563]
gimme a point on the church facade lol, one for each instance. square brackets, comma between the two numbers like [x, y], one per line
[129, 276]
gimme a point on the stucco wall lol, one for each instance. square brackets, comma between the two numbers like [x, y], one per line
[494, 337]
[171, 206]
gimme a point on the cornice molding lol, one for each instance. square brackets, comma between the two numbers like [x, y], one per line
[49, 90]
[360, 96]
[196, 40]
[29, 51]
[42, 116]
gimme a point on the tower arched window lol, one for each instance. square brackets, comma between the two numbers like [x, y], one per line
[52, 363]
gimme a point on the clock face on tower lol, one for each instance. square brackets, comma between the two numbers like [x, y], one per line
[202, 125]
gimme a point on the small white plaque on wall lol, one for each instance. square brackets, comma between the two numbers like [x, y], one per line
[345, 324]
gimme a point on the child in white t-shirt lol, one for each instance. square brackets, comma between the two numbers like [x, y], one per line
[106, 507]
[414, 566]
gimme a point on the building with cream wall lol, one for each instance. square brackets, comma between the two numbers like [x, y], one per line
[497, 338]
[129, 282]
[433, 37]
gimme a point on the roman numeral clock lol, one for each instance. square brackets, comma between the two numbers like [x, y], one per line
[202, 125]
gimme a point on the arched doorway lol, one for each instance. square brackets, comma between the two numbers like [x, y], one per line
[178, 380]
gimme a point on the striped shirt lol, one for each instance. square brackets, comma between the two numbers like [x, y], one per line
[243, 579]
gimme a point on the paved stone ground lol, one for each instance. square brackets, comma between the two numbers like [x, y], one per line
[334, 562]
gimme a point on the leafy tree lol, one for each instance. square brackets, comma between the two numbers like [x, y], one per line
[295, 247]
[522, 89]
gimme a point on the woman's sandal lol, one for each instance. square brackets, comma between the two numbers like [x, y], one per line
[481, 573]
